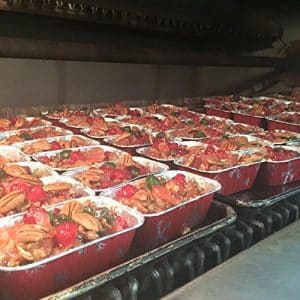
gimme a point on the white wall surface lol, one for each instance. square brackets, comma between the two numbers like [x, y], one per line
[41, 82]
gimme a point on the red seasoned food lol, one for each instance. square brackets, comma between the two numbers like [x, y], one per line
[32, 134]
[105, 129]
[20, 122]
[235, 143]
[154, 194]
[20, 189]
[112, 173]
[197, 132]
[214, 159]
[289, 118]
[280, 154]
[132, 136]
[69, 159]
[118, 109]
[165, 150]
[83, 121]
[73, 141]
[279, 136]
[59, 113]
[240, 128]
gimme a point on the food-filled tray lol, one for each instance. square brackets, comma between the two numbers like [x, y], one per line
[165, 151]
[196, 133]
[239, 142]
[21, 122]
[287, 121]
[111, 175]
[214, 110]
[111, 128]
[168, 216]
[117, 110]
[65, 260]
[241, 128]
[17, 136]
[219, 216]
[237, 176]
[64, 112]
[130, 140]
[74, 158]
[279, 137]
[282, 166]
[244, 117]
[79, 122]
[55, 143]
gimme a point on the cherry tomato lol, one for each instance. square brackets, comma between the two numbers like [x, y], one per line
[76, 155]
[173, 146]
[119, 224]
[36, 215]
[121, 174]
[108, 171]
[180, 179]
[157, 142]
[66, 233]
[210, 150]
[126, 191]
[105, 184]
[19, 185]
[221, 154]
[113, 130]
[35, 122]
[44, 159]
[55, 145]
[36, 194]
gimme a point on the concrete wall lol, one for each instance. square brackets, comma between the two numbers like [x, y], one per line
[34, 82]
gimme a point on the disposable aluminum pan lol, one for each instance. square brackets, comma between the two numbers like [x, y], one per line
[37, 168]
[60, 131]
[242, 117]
[275, 173]
[42, 123]
[173, 133]
[154, 167]
[38, 279]
[101, 112]
[164, 226]
[250, 127]
[273, 124]
[13, 154]
[143, 150]
[219, 216]
[250, 139]
[122, 119]
[46, 114]
[105, 148]
[129, 148]
[64, 121]
[87, 131]
[213, 111]
[88, 141]
[297, 138]
[234, 179]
